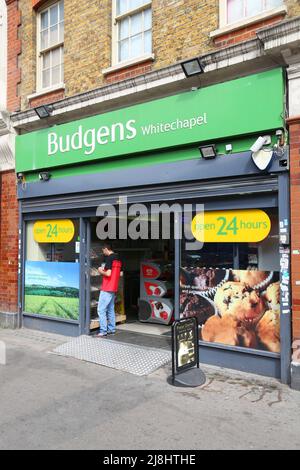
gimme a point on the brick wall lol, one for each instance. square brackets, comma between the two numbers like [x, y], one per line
[8, 199]
[243, 34]
[13, 55]
[46, 99]
[129, 72]
[9, 243]
[180, 30]
[294, 129]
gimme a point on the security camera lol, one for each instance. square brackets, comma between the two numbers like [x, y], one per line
[44, 176]
[20, 177]
[259, 143]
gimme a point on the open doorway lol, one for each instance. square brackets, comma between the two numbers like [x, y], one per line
[145, 299]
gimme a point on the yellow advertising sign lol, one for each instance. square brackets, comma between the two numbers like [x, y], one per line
[53, 231]
[238, 226]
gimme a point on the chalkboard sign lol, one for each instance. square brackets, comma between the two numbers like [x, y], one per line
[185, 345]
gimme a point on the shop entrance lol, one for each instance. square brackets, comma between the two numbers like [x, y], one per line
[234, 288]
[145, 299]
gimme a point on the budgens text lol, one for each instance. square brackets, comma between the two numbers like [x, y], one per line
[89, 138]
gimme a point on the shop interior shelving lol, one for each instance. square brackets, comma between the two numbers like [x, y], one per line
[96, 260]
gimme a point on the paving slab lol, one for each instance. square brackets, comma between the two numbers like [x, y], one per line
[53, 402]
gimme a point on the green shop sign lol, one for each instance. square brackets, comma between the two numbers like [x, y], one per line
[243, 106]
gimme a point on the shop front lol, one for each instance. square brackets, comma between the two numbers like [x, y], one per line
[204, 236]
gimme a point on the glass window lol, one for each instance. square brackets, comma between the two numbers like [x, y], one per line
[52, 269]
[240, 9]
[134, 29]
[51, 45]
[233, 289]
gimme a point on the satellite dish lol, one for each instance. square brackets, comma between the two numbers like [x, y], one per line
[262, 158]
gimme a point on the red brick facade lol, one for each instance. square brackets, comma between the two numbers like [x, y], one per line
[8, 197]
[47, 98]
[245, 33]
[37, 3]
[14, 50]
[8, 243]
[129, 72]
[294, 129]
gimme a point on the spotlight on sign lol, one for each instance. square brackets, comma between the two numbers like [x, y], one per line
[43, 111]
[208, 152]
[44, 176]
[192, 67]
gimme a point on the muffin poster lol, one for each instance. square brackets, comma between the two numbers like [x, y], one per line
[233, 307]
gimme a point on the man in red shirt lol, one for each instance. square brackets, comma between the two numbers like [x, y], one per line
[110, 272]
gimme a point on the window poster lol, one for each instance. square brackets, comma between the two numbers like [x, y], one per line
[52, 289]
[233, 307]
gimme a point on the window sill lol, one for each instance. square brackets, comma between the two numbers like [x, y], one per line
[249, 21]
[128, 63]
[46, 91]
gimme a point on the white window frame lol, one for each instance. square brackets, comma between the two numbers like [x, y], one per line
[115, 34]
[39, 53]
[225, 27]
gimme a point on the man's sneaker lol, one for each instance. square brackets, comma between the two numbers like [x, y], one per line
[111, 333]
[101, 335]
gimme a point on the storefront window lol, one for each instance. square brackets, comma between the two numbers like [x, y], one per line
[52, 269]
[233, 289]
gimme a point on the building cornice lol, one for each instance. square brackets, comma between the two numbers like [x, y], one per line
[280, 34]
[293, 120]
[267, 50]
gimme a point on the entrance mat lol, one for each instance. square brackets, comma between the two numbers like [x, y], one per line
[137, 360]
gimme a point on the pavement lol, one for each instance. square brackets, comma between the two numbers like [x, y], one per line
[53, 402]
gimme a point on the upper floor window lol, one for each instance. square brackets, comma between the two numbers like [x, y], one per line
[238, 10]
[133, 29]
[51, 45]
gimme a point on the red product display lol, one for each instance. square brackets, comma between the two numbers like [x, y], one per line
[149, 271]
[153, 306]
[161, 310]
[154, 288]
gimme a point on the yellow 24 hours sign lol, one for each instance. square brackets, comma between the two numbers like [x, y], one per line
[53, 231]
[231, 226]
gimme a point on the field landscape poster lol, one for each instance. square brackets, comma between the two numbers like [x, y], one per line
[52, 289]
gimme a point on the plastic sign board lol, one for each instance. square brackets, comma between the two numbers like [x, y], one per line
[240, 226]
[247, 105]
[185, 342]
[53, 231]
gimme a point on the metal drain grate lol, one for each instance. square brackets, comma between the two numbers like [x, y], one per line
[136, 360]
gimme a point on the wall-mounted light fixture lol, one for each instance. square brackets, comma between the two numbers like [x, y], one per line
[44, 176]
[192, 67]
[208, 152]
[43, 111]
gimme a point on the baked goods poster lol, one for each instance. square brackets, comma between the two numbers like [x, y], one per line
[233, 307]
